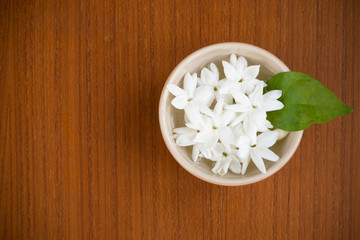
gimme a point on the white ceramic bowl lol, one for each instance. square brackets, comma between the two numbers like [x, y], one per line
[171, 117]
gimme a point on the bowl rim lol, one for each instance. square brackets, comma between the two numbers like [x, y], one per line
[189, 166]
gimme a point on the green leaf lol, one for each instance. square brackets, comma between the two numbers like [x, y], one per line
[305, 100]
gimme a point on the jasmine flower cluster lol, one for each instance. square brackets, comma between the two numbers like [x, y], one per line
[225, 119]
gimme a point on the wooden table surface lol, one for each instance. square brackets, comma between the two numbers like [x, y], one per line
[82, 156]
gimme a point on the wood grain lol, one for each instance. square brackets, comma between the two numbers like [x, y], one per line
[81, 153]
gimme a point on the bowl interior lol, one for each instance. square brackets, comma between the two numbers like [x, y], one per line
[171, 118]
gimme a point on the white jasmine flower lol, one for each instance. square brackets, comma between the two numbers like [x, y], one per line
[211, 129]
[197, 133]
[204, 132]
[242, 149]
[201, 95]
[253, 109]
[239, 76]
[187, 137]
[220, 124]
[260, 150]
[199, 123]
[210, 79]
[253, 115]
[224, 159]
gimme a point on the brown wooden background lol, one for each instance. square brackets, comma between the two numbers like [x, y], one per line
[82, 156]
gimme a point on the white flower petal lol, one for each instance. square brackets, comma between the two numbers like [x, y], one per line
[218, 108]
[268, 124]
[230, 72]
[261, 127]
[192, 112]
[204, 135]
[237, 130]
[235, 166]
[243, 141]
[179, 102]
[241, 63]
[218, 149]
[240, 97]
[282, 133]
[272, 105]
[201, 83]
[226, 85]
[226, 137]
[207, 77]
[267, 139]
[216, 167]
[182, 130]
[193, 126]
[205, 110]
[248, 86]
[245, 165]
[256, 97]
[201, 137]
[226, 98]
[267, 154]
[237, 108]
[259, 163]
[190, 83]
[239, 119]
[175, 90]
[215, 158]
[233, 59]
[195, 152]
[258, 116]
[250, 130]
[215, 71]
[273, 94]
[207, 153]
[226, 118]
[204, 95]
[244, 152]
[251, 72]
[221, 167]
[186, 139]
[211, 141]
